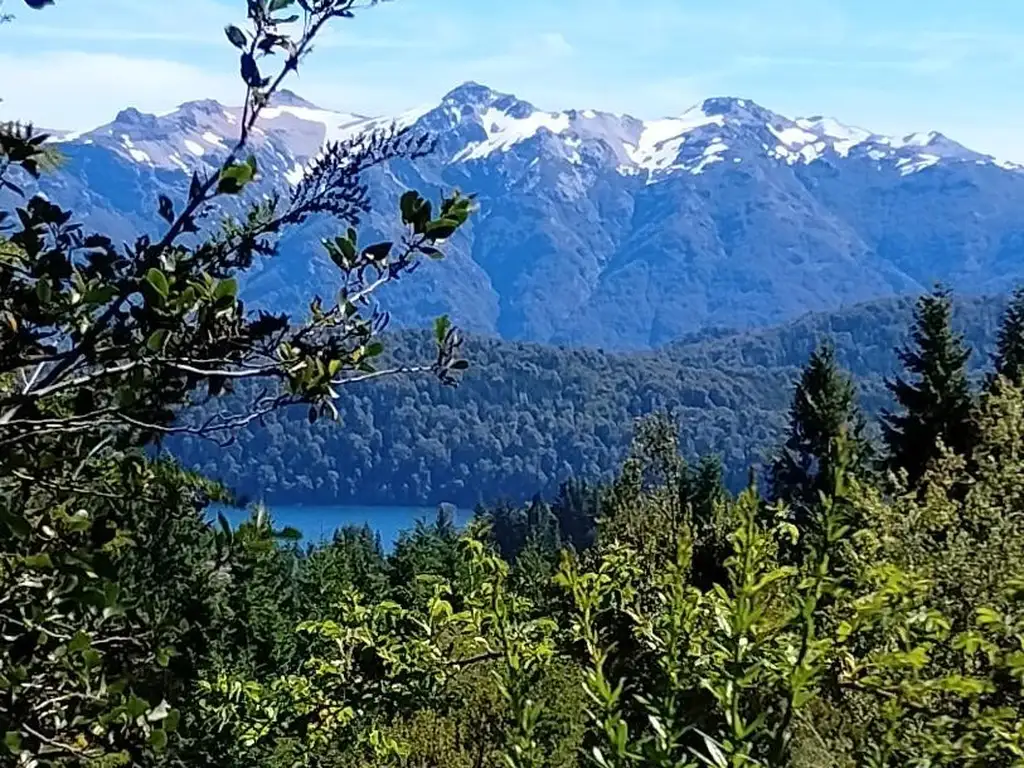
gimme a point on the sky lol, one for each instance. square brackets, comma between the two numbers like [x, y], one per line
[891, 66]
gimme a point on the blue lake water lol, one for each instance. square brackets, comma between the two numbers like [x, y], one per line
[317, 523]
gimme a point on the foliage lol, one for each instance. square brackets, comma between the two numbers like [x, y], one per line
[824, 415]
[112, 581]
[676, 630]
[1009, 359]
[525, 418]
[651, 620]
[936, 406]
[94, 646]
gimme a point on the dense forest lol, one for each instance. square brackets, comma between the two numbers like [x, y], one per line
[859, 603]
[525, 418]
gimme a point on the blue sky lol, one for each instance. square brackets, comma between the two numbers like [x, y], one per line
[893, 66]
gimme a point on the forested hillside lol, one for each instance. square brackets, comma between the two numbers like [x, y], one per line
[526, 417]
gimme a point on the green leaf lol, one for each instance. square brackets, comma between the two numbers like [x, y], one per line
[13, 741]
[421, 217]
[441, 327]
[79, 521]
[166, 209]
[987, 615]
[441, 229]
[100, 295]
[348, 248]
[235, 177]
[409, 204]
[374, 349]
[80, 642]
[250, 71]
[39, 561]
[172, 720]
[228, 287]
[136, 707]
[236, 36]
[156, 339]
[378, 251]
[44, 291]
[158, 281]
[158, 740]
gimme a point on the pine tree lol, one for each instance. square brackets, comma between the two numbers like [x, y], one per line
[823, 419]
[703, 489]
[824, 408]
[1009, 360]
[576, 510]
[703, 494]
[936, 400]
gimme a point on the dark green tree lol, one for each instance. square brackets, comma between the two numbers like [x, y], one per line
[824, 408]
[703, 488]
[430, 548]
[577, 508]
[1009, 358]
[704, 494]
[935, 399]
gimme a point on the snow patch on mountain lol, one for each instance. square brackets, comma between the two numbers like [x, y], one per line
[843, 138]
[505, 130]
[909, 165]
[336, 126]
[212, 138]
[792, 136]
[659, 143]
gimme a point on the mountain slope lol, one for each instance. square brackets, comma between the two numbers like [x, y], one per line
[528, 416]
[602, 229]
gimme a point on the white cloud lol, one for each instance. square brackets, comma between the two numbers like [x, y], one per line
[555, 44]
[77, 91]
[81, 63]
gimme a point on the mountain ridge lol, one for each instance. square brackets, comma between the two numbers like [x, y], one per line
[796, 139]
[600, 229]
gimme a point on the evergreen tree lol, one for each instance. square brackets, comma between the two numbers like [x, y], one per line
[577, 509]
[824, 408]
[704, 494]
[936, 400]
[704, 488]
[1009, 360]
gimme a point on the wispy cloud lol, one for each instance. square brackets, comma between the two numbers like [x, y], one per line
[891, 66]
[536, 52]
[75, 90]
[69, 35]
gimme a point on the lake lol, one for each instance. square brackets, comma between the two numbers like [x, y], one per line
[318, 523]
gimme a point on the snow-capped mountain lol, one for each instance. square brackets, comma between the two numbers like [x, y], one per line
[601, 228]
[479, 123]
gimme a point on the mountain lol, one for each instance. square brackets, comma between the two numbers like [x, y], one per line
[601, 229]
[527, 416]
